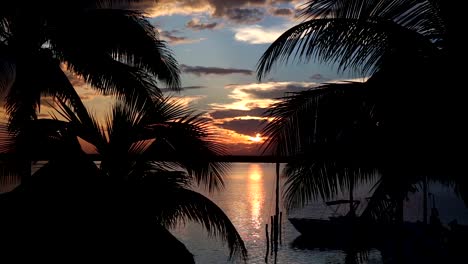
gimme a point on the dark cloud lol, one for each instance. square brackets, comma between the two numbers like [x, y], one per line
[244, 149]
[282, 1]
[175, 32]
[195, 24]
[282, 12]
[192, 87]
[238, 11]
[274, 93]
[248, 127]
[182, 88]
[317, 76]
[200, 70]
[223, 7]
[245, 15]
[170, 36]
[231, 113]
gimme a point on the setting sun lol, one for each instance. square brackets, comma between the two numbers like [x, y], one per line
[257, 138]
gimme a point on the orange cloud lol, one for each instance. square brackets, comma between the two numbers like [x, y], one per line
[186, 101]
[259, 95]
[239, 122]
[236, 143]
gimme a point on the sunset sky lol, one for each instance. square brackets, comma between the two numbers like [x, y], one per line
[217, 44]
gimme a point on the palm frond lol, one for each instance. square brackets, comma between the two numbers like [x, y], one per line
[163, 109]
[7, 67]
[12, 170]
[348, 43]
[141, 46]
[81, 122]
[393, 187]
[133, 122]
[39, 76]
[158, 129]
[181, 204]
[21, 103]
[308, 180]
[461, 188]
[145, 56]
[356, 34]
[356, 255]
[127, 138]
[331, 114]
[418, 15]
[110, 76]
[176, 134]
[188, 143]
[113, 64]
[6, 139]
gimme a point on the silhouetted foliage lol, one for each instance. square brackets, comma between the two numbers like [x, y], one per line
[404, 122]
[127, 193]
[116, 51]
[401, 119]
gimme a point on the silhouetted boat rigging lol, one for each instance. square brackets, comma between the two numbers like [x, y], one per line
[418, 241]
[335, 225]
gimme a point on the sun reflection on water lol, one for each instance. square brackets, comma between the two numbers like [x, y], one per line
[256, 197]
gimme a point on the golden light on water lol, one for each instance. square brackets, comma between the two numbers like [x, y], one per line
[255, 173]
[255, 192]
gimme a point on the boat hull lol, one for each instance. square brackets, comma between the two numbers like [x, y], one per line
[334, 232]
[320, 227]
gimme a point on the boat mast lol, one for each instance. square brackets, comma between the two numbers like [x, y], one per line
[277, 188]
[351, 194]
[425, 200]
[277, 213]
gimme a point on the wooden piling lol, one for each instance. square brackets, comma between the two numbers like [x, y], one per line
[267, 244]
[280, 227]
[272, 233]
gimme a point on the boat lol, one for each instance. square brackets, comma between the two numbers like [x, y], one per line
[334, 232]
[352, 231]
[335, 227]
[322, 227]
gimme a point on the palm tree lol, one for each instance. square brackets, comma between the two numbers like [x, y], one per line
[400, 45]
[360, 35]
[333, 134]
[118, 52]
[399, 123]
[115, 50]
[151, 155]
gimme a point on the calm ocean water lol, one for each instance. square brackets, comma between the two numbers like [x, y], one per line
[248, 200]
